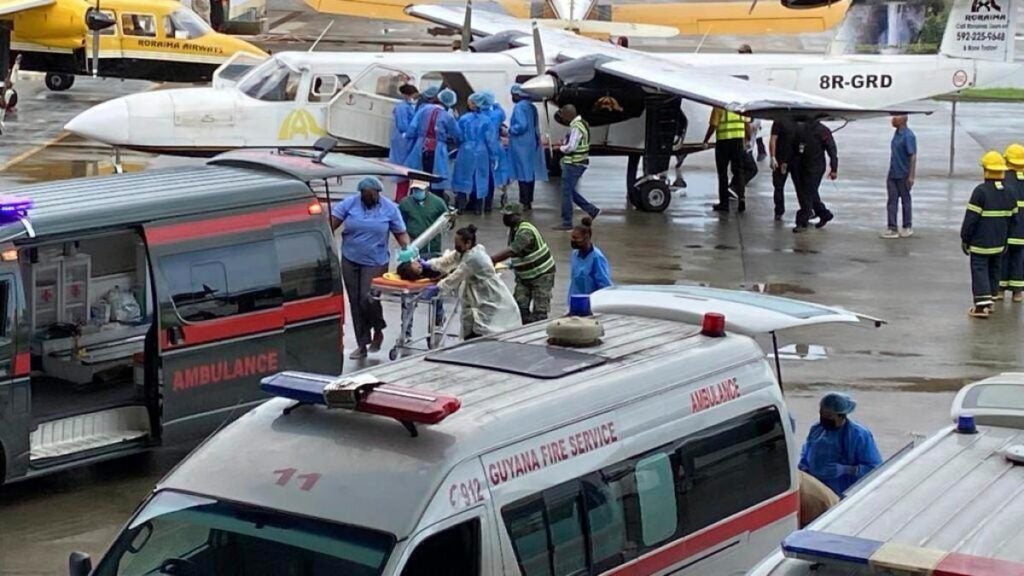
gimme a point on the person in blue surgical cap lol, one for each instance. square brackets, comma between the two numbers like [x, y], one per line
[839, 451]
[525, 152]
[399, 141]
[433, 130]
[498, 116]
[473, 177]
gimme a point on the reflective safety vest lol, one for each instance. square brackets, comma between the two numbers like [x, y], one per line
[536, 263]
[582, 152]
[730, 126]
[987, 221]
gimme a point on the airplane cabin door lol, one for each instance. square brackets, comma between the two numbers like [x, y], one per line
[362, 111]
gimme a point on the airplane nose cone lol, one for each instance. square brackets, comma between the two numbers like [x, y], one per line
[544, 86]
[107, 123]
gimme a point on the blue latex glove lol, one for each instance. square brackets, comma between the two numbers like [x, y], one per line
[425, 264]
[408, 254]
[429, 292]
[831, 471]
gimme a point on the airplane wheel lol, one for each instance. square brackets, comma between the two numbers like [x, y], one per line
[393, 354]
[12, 100]
[59, 82]
[654, 196]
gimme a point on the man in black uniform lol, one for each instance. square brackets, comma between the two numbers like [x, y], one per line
[813, 141]
[780, 145]
[984, 232]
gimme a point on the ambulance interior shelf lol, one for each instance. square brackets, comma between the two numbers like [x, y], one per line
[89, 308]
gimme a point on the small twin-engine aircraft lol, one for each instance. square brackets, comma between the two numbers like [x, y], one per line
[157, 40]
[294, 98]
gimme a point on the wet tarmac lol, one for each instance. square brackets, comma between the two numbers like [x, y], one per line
[903, 374]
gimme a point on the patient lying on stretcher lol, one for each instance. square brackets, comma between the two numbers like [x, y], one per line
[415, 270]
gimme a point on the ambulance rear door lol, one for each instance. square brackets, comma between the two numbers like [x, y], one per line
[221, 315]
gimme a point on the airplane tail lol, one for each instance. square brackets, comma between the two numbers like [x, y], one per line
[975, 29]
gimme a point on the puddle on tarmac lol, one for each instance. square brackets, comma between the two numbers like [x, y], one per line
[695, 246]
[801, 352]
[724, 247]
[886, 353]
[669, 267]
[800, 251]
[776, 288]
[863, 260]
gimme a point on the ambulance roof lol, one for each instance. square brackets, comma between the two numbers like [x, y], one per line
[374, 474]
[955, 493]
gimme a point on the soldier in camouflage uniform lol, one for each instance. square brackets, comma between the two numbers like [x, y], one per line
[532, 262]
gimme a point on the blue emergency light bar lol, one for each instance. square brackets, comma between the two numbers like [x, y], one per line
[13, 207]
[877, 557]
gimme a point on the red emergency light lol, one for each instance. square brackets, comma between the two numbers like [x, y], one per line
[364, 393]
[713, 325]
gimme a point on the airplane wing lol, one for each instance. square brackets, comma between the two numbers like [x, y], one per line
[8, 7]
[704, 86]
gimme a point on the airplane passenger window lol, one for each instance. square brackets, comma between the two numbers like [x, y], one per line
[138, 25]
[185, 25]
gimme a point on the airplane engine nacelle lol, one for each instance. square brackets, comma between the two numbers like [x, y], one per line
[496, 43]
[59, 25]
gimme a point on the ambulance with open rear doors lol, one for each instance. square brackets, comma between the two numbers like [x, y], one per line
[665, 447]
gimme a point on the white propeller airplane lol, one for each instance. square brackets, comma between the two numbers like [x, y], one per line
[292, 99]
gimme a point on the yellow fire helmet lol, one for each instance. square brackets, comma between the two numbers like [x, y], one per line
[1014, 155]
[993, 161]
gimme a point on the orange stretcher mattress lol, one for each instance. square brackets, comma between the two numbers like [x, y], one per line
[391, 281]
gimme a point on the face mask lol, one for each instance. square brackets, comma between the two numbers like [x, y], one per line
[829, 424]
[370, 201]
[576, 245]
[419, 195]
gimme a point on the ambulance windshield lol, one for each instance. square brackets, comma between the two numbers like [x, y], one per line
[184, 534]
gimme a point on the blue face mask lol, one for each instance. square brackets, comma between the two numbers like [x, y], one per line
[419, 195]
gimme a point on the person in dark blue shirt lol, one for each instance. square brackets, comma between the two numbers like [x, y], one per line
[368, 220]
[902, 171]
[590, 270]
[839, 451]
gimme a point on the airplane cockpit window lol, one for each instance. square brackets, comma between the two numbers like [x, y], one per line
[138, 25]
[272, 82]
[185, 25]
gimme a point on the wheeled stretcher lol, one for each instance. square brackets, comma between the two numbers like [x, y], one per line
[409, 294]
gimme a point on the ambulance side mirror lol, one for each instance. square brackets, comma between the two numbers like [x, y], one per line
[79, 564]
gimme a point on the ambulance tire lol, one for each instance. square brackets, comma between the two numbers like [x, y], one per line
[59, 82]
[655, 195]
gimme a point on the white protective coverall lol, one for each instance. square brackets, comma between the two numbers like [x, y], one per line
[487, 304]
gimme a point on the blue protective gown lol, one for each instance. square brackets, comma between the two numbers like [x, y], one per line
[850, 445]
[477, 155]
[399, 141]
[445, 130]
[589, 273]
[526, 155]
[501, 173]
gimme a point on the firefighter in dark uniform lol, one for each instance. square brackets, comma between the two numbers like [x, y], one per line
[1013, 259]
[985, 230]
[813, 142]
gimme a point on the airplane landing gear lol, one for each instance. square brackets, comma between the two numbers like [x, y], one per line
[59, 82]
[115, 159]
[651, 192]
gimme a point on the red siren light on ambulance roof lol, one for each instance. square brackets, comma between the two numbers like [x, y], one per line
[13, 207]
[713, 325]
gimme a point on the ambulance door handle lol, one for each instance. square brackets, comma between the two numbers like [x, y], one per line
[175, 335]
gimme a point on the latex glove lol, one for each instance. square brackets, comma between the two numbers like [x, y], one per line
[429, 293]
[408, 254]
[836, 470]
[966, 251]
[425, 264]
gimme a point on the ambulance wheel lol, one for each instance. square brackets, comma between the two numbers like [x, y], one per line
[59, 82]
[393, 354]
[654, 195]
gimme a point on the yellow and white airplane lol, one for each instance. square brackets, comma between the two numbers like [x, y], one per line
[711, 18]
[158, 40]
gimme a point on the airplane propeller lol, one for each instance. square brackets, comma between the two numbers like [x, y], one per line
[97, 21]
[467, 27]
[542, 68]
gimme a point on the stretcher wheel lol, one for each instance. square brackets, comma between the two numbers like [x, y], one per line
[393, 354]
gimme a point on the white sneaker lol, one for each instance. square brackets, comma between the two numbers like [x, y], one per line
[906, 232]
[889, 234]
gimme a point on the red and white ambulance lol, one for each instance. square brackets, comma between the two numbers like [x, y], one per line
[664, 448]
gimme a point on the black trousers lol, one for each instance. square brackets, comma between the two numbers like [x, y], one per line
[985, 271]
[779, 184]
[730, 153]
[366, 310]
[526, 192]
[807, 180]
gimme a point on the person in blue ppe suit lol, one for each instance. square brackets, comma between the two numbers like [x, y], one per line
[434, 130]
[525, 152]
[368, 220]
[590, 269]
[498, 116]
[399, 142]
[473, 177]
[839, 451]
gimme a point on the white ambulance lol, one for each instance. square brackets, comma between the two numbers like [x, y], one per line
[664, 448]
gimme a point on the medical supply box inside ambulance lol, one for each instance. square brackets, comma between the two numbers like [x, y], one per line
[661, 446]
[952, 506]
[136, 309]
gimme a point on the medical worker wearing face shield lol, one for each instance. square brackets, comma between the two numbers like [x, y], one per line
[839, 451]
